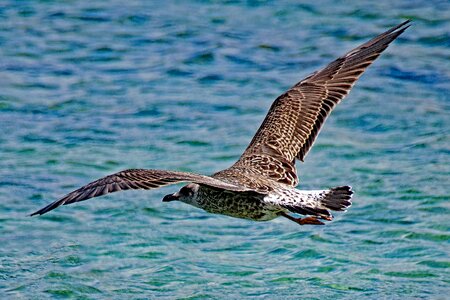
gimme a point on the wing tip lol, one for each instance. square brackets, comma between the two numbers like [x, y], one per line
[40, 212]
[403, 26]
[49, 207]
[398, 30]
[408, 21]
[400, 27]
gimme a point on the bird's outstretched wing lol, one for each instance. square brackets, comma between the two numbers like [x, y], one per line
[296, 117]
[136, 179]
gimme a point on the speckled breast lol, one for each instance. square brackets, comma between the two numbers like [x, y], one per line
[246, 205]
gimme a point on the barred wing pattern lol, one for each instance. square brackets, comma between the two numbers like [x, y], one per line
[296, 117]
[136, 179]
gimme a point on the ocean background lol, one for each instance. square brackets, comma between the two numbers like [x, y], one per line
[89, 88]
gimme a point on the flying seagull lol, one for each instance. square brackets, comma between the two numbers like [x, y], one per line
[260, 186]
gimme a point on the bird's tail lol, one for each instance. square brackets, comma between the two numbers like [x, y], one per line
[318, 203]
[338, 198]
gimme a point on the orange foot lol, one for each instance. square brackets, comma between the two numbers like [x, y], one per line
[309, 221]
[303, 221]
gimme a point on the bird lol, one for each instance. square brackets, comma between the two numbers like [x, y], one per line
[261, 185]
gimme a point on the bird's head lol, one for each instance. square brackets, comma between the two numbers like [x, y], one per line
[187, 194]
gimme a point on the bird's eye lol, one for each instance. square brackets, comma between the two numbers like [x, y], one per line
[186, 191]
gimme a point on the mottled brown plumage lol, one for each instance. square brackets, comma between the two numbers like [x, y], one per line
[137, 179]
[296, 117]
[260, 185]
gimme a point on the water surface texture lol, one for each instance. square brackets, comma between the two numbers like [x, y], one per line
[89, 88]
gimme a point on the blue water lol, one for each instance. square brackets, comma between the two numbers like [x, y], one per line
[88, 88]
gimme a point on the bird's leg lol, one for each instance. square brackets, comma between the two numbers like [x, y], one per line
[303, 221]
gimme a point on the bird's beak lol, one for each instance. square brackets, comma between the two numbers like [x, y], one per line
[170, 197]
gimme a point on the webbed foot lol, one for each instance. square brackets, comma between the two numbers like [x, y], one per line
[303, 221]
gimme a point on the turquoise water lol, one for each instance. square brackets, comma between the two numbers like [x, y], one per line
[89, 88]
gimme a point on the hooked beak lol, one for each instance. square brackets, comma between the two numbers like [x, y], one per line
[170, 197]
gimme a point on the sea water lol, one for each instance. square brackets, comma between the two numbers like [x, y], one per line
[89, 88]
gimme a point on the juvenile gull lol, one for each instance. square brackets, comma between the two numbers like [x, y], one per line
[260, 186]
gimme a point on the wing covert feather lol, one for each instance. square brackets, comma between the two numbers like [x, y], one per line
[137, 179]
[297, 116]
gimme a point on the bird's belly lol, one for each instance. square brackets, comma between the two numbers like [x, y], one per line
[238, 205]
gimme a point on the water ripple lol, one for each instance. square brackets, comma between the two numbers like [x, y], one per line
[92, 87]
